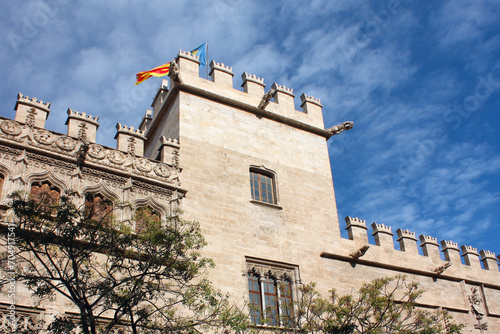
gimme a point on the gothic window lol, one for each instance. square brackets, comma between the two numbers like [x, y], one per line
[270, 294]
[146, 216]
[27, 320]
[44, 192]
[98, 208]
[262, 185]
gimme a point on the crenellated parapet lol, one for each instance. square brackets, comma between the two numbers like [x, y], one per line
[31, 111]
[430, 260]
[284, 96]
[471, 256]
[278, 102]
[383, 235]
[130, 139]
[430, 246]
[489, 260]
[169, 151]
[451, 251]
[221, 74]
[356, 228]
[82, 125]
[253, 85]
[407, 241]
[188, 63]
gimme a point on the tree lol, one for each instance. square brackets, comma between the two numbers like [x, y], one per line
[385, 305]
[149, 281]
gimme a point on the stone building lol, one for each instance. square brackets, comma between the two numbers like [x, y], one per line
[256, 174]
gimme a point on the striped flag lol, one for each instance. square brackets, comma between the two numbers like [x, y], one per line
[159, 71]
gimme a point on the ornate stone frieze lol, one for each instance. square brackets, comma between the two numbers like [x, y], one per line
[270, 271]
[66, 143]
[23, 321]
[116, 157]
[152, 188]
[9, 150]
[143, 165]
[162, 170]
[49, 161]
[50, 141]
[96, 151]
[103, 175]
[10, 127]
[44, 137]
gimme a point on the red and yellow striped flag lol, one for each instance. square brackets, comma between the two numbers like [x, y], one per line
[157, 72]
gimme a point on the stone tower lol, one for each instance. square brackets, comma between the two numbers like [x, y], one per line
[257, 171]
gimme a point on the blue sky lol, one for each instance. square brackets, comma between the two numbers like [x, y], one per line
[420, 80]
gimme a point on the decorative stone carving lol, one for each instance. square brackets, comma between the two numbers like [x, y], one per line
[175, 72]
[82, 132]
[337, 129]
[360, 252]
[266, 99]
[143, 165]
[66, 143]
[273, 272]
[439, 270]
[44, 137]
[31, 118]
[96, 151]
[116, 157]
[162, 170]
[24, 321]
[11, 128]
[131, 146]
[477, 308]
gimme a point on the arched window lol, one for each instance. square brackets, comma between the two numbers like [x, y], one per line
[44, 191]
[146, 216]
[98, 208]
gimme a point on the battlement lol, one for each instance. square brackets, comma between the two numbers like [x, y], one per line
[429, 246]
[33, 102]
[82, 125]
[253, 78]
[31, 111]
[221, 67]
[278, 103]
[82, 116]
[283, 89]
[29, 129]
[129, 139]
[120, 128]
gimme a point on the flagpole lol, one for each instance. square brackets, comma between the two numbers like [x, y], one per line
[208, 64]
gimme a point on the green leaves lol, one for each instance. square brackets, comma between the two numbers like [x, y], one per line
[150, 279]
[384, 305]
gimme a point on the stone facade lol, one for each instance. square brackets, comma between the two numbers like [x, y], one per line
[215, 139]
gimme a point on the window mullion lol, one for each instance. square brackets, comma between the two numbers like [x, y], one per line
[280, 304]
[262, 296]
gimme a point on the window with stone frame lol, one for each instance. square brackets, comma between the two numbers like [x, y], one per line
[270, 290]
[263, 185]
[146, 216]
[101, 324]
[46, 196]
[98, 208]
[27, 320]
[44, 191]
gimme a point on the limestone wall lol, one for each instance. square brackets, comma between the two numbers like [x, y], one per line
[211, 136]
